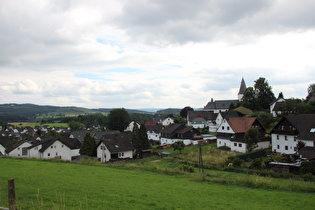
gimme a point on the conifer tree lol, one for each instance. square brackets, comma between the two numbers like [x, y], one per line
[88, 145]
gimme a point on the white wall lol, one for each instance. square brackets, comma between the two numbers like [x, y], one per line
[283, 143]
[2, 149]
[153, 136]
[57, 149]
[238, 146]
[167, 121]
[104, 154]
[223, 142]
[17, 152]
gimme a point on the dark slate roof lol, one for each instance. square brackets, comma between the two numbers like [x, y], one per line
[230, 113]
[307, 152]
[4, 140]
[172, 128]
[304, 123]
[220, 104]
[242, 87]
[155, 128]
[118, 142]
[16, 145]
[72, 143]
[187, 129]
[207, 115]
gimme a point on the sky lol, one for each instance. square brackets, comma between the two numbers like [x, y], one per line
[152, 53]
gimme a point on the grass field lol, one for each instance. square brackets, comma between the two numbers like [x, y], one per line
[52, 185]
[24, 124]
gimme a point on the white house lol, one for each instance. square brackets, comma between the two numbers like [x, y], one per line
[154, 132]
[202, 119]
[167, 121]
[276, 103]
[176, 132]
[20, 149]
[131, 126]
[290, 130]
[115, 146]
[231, 133]
[64, 148]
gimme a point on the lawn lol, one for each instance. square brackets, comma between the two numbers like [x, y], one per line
[53, 185]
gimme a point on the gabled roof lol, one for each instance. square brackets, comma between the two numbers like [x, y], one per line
[72, 143]
[186, 129]
[304, 123]
[191, 115]
[244, 110]
[155, 128]
[230, 113]
[150, 123]
[220, 104]
[118, 142]
[307, 152]
[16, 145]
[4, 140]
[241, 124]
[172, 128]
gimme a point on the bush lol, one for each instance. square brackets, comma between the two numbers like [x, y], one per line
[187, 168]
[237, 162]
[257, 163]
[224, 148]
[308, 167]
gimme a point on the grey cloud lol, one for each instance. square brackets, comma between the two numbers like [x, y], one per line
[181, 21]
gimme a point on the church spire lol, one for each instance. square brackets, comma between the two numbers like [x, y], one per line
[242, 89]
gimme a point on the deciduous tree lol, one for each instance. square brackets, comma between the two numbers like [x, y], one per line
[179, 145]
[251, 139]
[118, 119]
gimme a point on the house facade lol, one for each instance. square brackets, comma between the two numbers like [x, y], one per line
[178, 132]
[154, 133]
[290, 130]
[64, 148]
[115, 146]
[202, 119]
[231, 133]
[20, 149]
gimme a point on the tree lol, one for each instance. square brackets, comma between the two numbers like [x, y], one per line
[300, 145]
[119, 119]
[180, 120]
[249, 100]
[75, 126]
[88, 145]
[251, 138]
[311, 92]
[179, 145]
[266, 119]
[54, 134]
[144, 141]
[136, 141]
[184, 111]
[263, 94]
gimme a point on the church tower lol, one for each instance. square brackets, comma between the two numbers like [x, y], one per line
[242, 90]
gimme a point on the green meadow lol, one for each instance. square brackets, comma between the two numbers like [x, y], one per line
[62, 185]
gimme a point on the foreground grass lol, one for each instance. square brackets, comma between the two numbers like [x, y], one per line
[50, 185]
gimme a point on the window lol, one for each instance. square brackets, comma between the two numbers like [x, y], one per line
[239, 145]
[222, 127]
[294, 148]
[277, 137]
[278, 146]
[51, 146]
[56, 153]
[62, 145]
[219, 142]
[55, 146]
[235, 144]
[48, 154]
[24, 151]
[286, 138]
[286, 147]
[228, 128]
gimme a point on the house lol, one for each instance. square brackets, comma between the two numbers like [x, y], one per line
[64, 148]
[226, 115]
[115, 146]
[177, 132]
[275, 106]
[290, 130]
[131, 126]
[231, 133]
[219, 105]
[154, 133]
[168, 120]
[20, 149]
[202, 119]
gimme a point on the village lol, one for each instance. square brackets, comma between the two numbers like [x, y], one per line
[293, 135]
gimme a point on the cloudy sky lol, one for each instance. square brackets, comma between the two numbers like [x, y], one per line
[152, 53]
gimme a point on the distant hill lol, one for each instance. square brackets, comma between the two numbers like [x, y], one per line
[169, 111]
[31, 112]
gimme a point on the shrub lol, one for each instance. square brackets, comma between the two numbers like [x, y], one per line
[224, 148]
[257, 163]
[187, 168]
[237, 162]
[308, 167]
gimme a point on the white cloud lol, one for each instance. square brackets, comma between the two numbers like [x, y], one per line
[141, 53]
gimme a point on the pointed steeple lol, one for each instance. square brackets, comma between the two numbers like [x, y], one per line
[242, 89]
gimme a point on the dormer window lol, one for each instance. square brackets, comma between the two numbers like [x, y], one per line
[222, 127]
